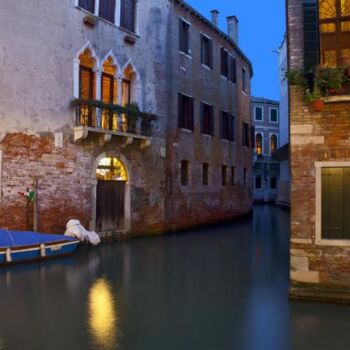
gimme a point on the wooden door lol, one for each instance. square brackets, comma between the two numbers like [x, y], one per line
[110, 205]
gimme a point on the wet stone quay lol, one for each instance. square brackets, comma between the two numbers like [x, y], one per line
[218, 288]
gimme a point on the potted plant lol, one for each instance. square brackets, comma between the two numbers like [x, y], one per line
[314, 98]
[296, 77]
[133, 112]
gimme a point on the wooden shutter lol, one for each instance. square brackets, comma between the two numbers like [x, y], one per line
[181, 35]
[86, 83]
[88, 5]
[311, 34]
[332, 203]
[202, 49]
[222, 61]
[233, 73]
[107, 9]
[211, 53]
[212, 120]
[191, 114]
[180, 111]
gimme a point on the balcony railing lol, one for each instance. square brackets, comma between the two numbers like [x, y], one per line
[115, 118]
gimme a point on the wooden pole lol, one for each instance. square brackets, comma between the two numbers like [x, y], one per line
[35, 206]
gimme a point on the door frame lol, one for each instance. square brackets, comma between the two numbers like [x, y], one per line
[127, 199]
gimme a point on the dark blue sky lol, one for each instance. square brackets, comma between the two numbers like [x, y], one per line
[262, 27]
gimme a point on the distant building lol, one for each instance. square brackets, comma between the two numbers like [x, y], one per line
[265, 115]
[282, 154]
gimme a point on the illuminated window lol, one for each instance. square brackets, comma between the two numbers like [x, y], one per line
[87, 89]
[258, 144]
[273, 144]
[111, 169]
[109, 91]
[334, 18]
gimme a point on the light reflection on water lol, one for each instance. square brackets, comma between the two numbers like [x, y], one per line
[103, 319]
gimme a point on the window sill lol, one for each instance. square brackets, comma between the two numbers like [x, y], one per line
[128, 32]
[223, 77]
[208, 136]
[187, 131]
[185, 54]
[206, 67]
[337, 98]
[333, 242]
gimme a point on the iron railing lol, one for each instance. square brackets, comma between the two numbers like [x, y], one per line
[98, 115]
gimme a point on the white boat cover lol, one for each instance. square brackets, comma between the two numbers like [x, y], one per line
[77, 230]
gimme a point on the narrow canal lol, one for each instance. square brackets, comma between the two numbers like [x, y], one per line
[223, 287]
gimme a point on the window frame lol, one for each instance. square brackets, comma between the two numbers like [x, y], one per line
[182, 123]
[270, 135]
[77, 4]
[270, 179]
[232, 69]
[262, 114]
[209, 132]
[244, 80]
[318, 217]
[277, 115]
[209, 64]
[262, 143]
[225, 74]
[261, 182]
[189, 51]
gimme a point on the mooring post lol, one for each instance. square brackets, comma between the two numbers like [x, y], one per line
[35, 205]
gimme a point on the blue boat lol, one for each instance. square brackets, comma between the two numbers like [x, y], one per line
[20, 246]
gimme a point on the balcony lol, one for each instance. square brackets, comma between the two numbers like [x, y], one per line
[111, 120]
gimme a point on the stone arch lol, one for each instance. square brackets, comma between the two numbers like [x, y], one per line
[86, 49]
[127, 200]
[110, 57]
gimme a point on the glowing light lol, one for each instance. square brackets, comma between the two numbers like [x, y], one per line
[111, 169]
[103, 321]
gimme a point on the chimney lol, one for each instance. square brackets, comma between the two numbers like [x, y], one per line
[232, 28]
[215, 17]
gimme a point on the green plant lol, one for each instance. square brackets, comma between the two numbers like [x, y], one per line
[133, 112]
[296, 77]
[331, 80]
[312, 95]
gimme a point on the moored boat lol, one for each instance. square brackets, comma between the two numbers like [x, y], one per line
[20, 246]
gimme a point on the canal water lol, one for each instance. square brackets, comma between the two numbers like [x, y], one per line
[222, 287]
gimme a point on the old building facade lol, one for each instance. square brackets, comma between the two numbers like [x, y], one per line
[74, 77]
[320, 154]
[265, 114]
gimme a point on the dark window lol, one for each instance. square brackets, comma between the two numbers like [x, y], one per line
[245, 134]
[258, 144]
[273, 183]
[334, 18]
[258, 183]
[273, 144]
[107, 10]
[184, 173]
[233, 71]
[184, 36]
[224, 175]
[224, 62]
[227, 126]
[273, 115]
[244, 80]
[233, 175]
[335, 203]
[205, 174]
[185, 112]
[311, 34]
[127, 14]
[252, 136]
[245, 177]
[259, 113]
[207, 119]
[206, 51]
[88, 5]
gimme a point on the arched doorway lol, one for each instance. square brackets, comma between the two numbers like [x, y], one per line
[112, 177]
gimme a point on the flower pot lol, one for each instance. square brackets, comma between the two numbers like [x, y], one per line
[317, 105]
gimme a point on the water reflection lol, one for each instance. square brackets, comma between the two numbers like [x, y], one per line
[103, 321]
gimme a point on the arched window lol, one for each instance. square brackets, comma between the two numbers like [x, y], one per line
[334, 16]
[111, 169]
[258, 144]
[109, 93]
[273, 144]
